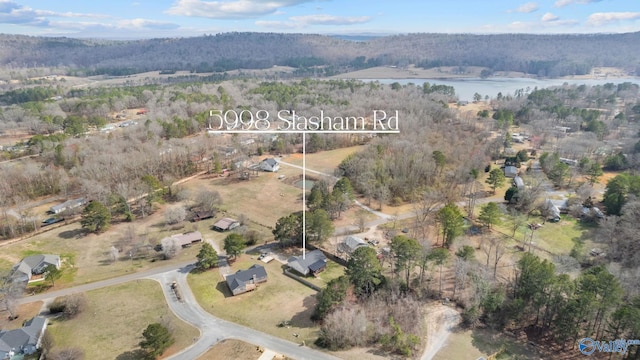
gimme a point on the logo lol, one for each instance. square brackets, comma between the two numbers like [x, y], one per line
[587, 346]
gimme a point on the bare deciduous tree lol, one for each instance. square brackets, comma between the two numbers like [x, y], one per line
[175, 214]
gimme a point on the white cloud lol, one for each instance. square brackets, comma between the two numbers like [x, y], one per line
[323, 19]
[145, 24]
[229, 9]
[562, 3]
[14, 13]
[548, 17]
[298, 22]
[526, 8]
[273, 24]
[602, 18]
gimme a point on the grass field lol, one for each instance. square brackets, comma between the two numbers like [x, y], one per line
[112, 324]
[472, 344]
[325, 161]
[554, 237]
[279, 299]
[85, 257]
[263, 199]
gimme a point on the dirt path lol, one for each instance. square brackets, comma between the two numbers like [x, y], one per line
[441, 320]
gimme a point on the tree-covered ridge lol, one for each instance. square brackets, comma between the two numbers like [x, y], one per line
[540, 55]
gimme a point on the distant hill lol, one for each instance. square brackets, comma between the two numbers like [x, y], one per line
[543, 55]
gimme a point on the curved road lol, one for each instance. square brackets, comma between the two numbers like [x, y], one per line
[213, 329]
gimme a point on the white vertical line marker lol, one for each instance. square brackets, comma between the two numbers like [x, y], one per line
[304, 193]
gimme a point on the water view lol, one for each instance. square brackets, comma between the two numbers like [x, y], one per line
[467, 87]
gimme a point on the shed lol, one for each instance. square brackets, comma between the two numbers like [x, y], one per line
[225, 224]
[350, 244]
[186, 239]
[510, 171]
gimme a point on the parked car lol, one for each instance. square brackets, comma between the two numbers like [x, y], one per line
[51, 220]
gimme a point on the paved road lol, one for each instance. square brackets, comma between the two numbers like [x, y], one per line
[213, 330]
[103, 283]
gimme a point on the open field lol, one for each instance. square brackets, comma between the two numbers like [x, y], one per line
[89, 253]
[279, 299]
[472, 344]
[263, 199]
[324, 161]
[111, 326]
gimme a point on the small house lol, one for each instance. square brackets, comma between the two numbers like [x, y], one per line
[313, 262]
[518, 182]
[201, 215]
[186, 239]
[246, 280]
[67, 205]
[225, 224]
[269, 164]
[34, 265]
[510, 171]
[350, 244]
[553, 211]
[25, 340]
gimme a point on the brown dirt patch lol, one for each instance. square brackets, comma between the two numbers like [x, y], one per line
[25, 312]
[231, 349]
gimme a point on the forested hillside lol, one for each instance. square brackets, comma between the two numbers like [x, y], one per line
[540, 55]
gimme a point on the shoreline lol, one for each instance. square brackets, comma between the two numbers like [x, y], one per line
[472, 73]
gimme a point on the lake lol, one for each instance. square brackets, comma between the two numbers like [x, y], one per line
[467, 87]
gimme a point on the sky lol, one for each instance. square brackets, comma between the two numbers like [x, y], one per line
[128, 19]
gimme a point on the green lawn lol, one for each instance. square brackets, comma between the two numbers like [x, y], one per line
[115, 317]
[554, 237]
[280, 298]
[333, 270]
[324, 161]
[472, 344]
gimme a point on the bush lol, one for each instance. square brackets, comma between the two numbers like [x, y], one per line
[70, 306]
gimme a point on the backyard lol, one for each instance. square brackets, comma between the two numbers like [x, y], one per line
[280, 299]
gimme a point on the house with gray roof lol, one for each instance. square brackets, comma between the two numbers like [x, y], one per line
[25, 340]
[269, 164]
[313, 262]
[350, 244]
[246, 280]
[510, 171]
[34, 265]
[518, 182]
[67, 205]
